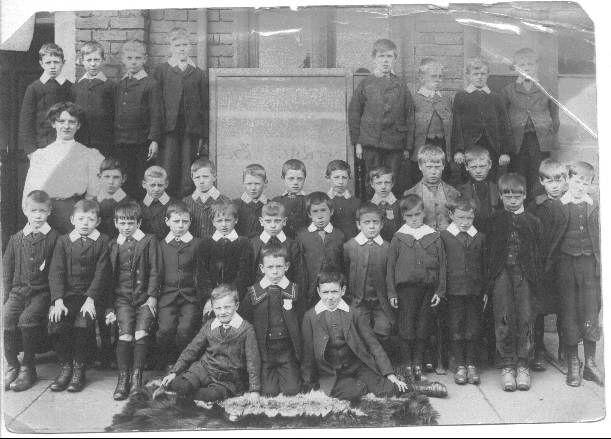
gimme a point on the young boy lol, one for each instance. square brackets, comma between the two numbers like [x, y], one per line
[513, 271]
[155, 202]
[365, 258]
[294, 199]
[465, 288]
[138, 117]
[344, 205]
[271, 307]
[203, 174]
[340, 351]
[416, 281]
[184, 94]
[214, 365]
[135, 262]
[534, 119]
[225, 257]
[52, 87]
[479, 117]
[180, 300]
[382, 182]
[26, 298]
[434, 192]
[79, 271]
[95, 94]
[322, 244]
[381, 114]
[575, 258]
[249, 205]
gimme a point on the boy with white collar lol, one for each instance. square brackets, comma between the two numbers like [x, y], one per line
[181, 297]
[155, 202]
[294, 198]
[464, 247]
[132, 301]
[203, 174]
[382, 181]
[341, 354]
[344, 204]
[416, 281]
[184, 91]
[79, 271]
[254, 179]
[26, 292]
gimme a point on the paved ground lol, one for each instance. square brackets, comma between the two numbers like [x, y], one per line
[550, 400]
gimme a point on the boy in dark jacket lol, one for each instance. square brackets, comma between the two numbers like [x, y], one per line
[155, 202]
[25, 287]
[78, 278]
[203, 174]
[513, 272]
[184, 94]
[132, 302]
[254, 179]
[223, 359]
[343, 203]
[294, 199]
[382, 181]
[464, 247]
[271, 307]
[341, 354]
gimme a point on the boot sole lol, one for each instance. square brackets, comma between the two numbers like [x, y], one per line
[588, 377]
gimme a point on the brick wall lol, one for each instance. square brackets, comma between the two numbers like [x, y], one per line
[162, 21]
[220, 38]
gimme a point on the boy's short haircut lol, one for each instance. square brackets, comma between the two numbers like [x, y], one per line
[203, 163]
[133, 46]
[86, 206]
[110, 164]
[70, 107]
[225, 290]
[431, 153]
[477, 63]
[274, 250]
[464, 204]
[224, 206]
[512, 183]
[367, 208]
[177, 207]
[155, 172]
[380, 171]
[51, 49]
[91, 47]
[384, 45]
[293, 165]
[38, 196]
[551, 168]
[426, 64]
[477, 153]
[128, 210]
[583, 169]
[178, 33]
[273, 208]
[525, 52]
[337, 165]
[316, 198]
[256, 170]
[326, 276]
[410, 202]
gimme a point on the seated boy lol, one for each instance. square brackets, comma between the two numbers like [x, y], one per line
[249, 205]
[343, 203]
[132, 301]
[270, 306]
[203, 174]
[78, 278]
[294, 199]
[341, 354]
[382, 182]
[26, 297]
[214, 365]
[155, 202]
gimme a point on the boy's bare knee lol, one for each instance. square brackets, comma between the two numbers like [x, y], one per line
[126, 337]
[140, 335]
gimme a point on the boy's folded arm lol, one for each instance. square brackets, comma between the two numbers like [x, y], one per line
[192, 352]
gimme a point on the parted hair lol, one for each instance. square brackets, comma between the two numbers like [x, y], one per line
[512, 183]
[476, 153]
[70, 107]
[409, 202]
[293, 165]
[327, 276]
[337, 165]
[91, 47]
[431, 153]
[464, 204]
[550, 168]
[316, 198]
[225, 290]
[273, 208]
[224, 206]
[129, 210]
[177, 207]
[367, 208]
[110, 164]
[384, 45]
[256, 170]
[274, 250]
[38, 196]
[86, 206]
[50, 49]
[203, 163]
[155, 172]
[378, 171]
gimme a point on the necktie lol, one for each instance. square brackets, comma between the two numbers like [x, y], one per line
[322, 233]
[464, 238]
[225, 330]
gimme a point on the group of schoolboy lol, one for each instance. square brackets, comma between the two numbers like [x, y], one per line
[183, 278]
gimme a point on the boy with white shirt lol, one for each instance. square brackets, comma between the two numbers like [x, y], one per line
[26, 295]
[132, 300]
[254, 179]
[203, 174]
[155, 202]
[382, 181]
[344, 204]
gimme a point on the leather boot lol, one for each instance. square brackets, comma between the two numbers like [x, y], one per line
[122, 389]
[523, 378]
[63, 379]
[26, 379]
[136, 381]
[538, 364]
[473, 375]
[573, 377]
[460, 377]
[508, 379]
[434, 389]
[12, 372]
[78, 378]
[591, 372]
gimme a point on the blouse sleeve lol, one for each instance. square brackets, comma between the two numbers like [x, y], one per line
[95, 158]
[30, 179]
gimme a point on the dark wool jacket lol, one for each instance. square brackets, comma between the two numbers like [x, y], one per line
[424, 110]
[107, 216]
[248, 218]
[296, 213]
[232, 362]
[80, 271]
[26, 263]
[34, 129]
[344, 215]
[474, 113]
[359, 337]
[483, 211]
[295, 260]
[145, 271]
[392, 220]
[180, 272]
[189, 88]
[465, 265]
[138, 116]
[153, 219]
[254, 309]
[381, 114]
[97, 98]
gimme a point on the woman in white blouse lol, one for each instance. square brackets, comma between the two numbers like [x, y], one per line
[65, 169]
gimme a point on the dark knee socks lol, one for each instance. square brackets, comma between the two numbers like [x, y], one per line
[125, 350]
[419, 351]
[62, 343]
[31, 338]
[140, 351]
[539, 333]
[81, 343]
[406, 347]
[10, 347]
[458, 351]
[471, 352]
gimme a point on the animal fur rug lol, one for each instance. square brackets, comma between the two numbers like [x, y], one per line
[143, 412]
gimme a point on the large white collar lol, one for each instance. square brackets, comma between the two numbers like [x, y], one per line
[137, 76]
[118, 196]
[567, 198]
[328, 228]
[265, 237]
[418, 233]
[231, 236]
[186, 238]
[428, 93]
[361, 239]
[44, 78]
[454, 230]
[137, 235]
[284, 283]
[213, 193]
[248, 199]
[321, 307]
[44, 229]
[75, 236]
[390, 199]
[164, 199]
[520, 211]
[236, 322]
[300, 193]
[101, 76]
[471, 88]
[346, 194]
[173, 62]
